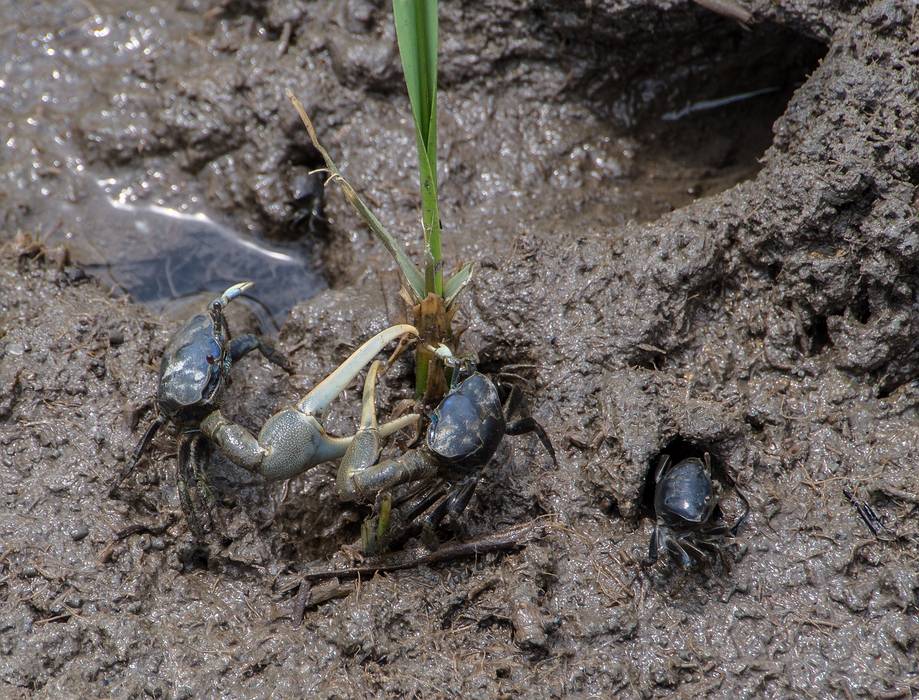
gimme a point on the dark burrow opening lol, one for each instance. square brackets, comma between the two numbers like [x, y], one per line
[861, 306]
[818, 334]
[698, 91]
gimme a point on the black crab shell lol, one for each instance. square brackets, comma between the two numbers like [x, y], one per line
[684, 495]
[468, 425]
[191, 366]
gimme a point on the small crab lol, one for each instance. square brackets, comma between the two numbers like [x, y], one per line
[462, 436]
[193, 372]
[689, 522]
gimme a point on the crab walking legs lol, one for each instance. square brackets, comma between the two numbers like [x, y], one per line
[293, 440]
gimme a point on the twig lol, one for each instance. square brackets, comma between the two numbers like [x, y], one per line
[512, 538]
[900, 494]
[139, 528]
[867, 514]
[727, 8]
[300, 601]
[309, 596]
[285, 39]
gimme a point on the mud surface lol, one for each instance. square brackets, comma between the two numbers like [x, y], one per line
[663, 278]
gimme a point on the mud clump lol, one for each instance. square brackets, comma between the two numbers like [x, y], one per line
[760, 304]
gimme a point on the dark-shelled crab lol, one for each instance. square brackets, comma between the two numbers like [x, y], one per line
[193, 372]
[688, 523]
[462, 436]
[194, 369]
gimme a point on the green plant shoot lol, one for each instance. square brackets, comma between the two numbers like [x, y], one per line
[416, 31]
[431, 297]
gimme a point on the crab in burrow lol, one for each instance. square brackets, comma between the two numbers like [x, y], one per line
[689, 524]
[462, 436]
[193, 373]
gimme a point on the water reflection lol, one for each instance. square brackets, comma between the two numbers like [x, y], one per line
[162, 254]
[705, 105]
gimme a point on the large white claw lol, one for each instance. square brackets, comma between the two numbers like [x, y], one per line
[325, 392]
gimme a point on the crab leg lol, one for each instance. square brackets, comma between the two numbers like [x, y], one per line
[190, 460]
[152, 430]
[293, 440]
[244, 344]
[359, 476]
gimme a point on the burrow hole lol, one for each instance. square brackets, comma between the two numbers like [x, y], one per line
[700, 92]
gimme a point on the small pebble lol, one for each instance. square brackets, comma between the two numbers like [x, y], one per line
[79, 531]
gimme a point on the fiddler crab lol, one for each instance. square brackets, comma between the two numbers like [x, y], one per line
[193, 372]
[689, 524]
[463, 434]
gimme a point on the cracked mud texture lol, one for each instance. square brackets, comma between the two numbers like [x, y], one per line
[659, 289]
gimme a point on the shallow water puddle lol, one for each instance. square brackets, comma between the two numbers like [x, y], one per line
[129, 228]
[158, 254]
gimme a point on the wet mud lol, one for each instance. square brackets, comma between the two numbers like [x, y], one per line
[691, 237]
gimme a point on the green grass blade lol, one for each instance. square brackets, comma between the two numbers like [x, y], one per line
[411, 272]
[456, 284]
[416, 31]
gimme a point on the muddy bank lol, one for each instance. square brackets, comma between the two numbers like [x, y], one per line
[658, 285]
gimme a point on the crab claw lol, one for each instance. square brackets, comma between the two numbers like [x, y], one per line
[231, 293]
[330, 387]
[368, 407]
[364, 449]
[359, 475]
[293, 440]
